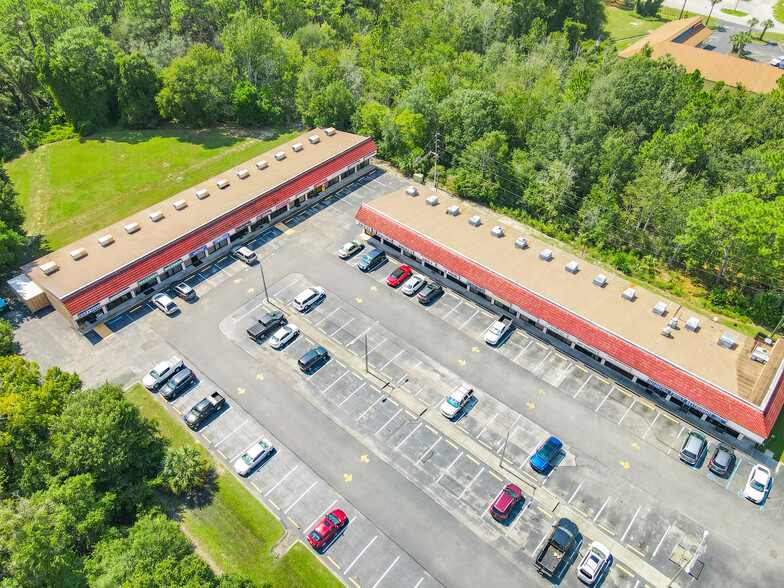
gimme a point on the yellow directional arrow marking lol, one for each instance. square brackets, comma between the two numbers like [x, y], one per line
[238, 280]
[240, 390]
[475, 349]
[358, 300]
[251, 290]
[347, 477]
[461, 361]
[635, 445]
[373, 288]
[259, 376]
[625, 465]
[542, 392]
[364, 458]
[530, 405]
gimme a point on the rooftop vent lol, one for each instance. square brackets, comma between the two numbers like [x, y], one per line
[546, 254]
[297, 147]
[243, 173]
[475, 220]
[497, 231]
[728, 339]
[521, 243]
[261, 164]
[78, 253]
[202, 194]
[314, 139]
[667, 331]
[280, 155]
[454, 210]
[329, 131]
[674, 322]
[412, 191]
[693, 324]
[132, 228]
[600, 280]
[660, 308]
[432, 200]
[629, 294]
[49, 267]
[572, 267]
[222, 183]
[180, 204]
[105, 240]
[156, 216]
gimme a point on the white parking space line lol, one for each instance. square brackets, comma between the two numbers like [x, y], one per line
[469, 318]
[523, 350]
[251, 310]
[230, 434]
[342, 327]
[352, 394]
[630, 524]
[377, 346]
[362, 334]
[433, 446]
[729, 481]
[326, 317]
[651, 425]
[634, 401]
[418, 583]
[545, 357]
[453, 309]
[605, 398]
[351, 565]
[655, 551]
[275, 295]
[389, 421]
[340, 377]
[407, 436]
[583, 386]
[244, 450]
[282, 479]
[449, 467]
[391, 360]
[321, 516]
[538, 547]
[575, 493]
[598, 514]
[300, 497]
[471, 482]
[490, 422]
[385, 573]
[368, 408]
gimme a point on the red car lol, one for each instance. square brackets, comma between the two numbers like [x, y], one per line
[326, 530]
[505, 502]
[396, 277]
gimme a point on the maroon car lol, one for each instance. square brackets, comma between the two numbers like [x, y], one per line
[326, 530]
[396, 277]
[505, 502]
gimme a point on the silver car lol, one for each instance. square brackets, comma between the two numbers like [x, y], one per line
[253, 457]
[593, 564]
[414, 284]
[164, 303]
[308, 298]
[283, 335]
[456, 400]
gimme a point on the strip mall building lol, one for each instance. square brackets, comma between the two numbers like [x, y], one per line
[674, 353]
[104, 274]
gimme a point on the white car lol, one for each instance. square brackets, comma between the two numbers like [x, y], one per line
[758, 484]
[413, 284]
[350, 249]
[778, 61]
[457, 400]
[163, 302]
[283, 335]
[593, 564]
[161, 373]
[308, 298]
[253, 457]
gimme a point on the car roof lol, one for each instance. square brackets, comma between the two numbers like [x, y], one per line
[181, 375]
[257, 448]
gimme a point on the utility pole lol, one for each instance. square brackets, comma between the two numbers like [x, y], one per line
[367, 371]
[503, 451]
[435, 172]
[264, 282]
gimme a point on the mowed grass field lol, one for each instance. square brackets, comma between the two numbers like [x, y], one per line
[75, 187]
[233, 530]
[624, 23]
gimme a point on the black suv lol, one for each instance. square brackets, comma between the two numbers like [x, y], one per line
[430, 292]
[177, 383]
[313, 358]
[266, 325]
[372, 260]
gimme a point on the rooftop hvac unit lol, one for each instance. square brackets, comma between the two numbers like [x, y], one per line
[693, 324]
[202, 194]
[132, 228]
[261, 164]
[629, 294]
[105, 240]
[156, 216]
[78, 253]
[667, 331]
[497, 231]
[546, 254]
[243, 173]
[222, 183]
[49, 267]
[728, 339]
[600, 280]
[432, 200]
[521, 243]
[475, 220]
[673, 322]
[280, 155]
[329, 131]
[572, 267]
[453, 210]
[660, 308]
[314, 139]
[759, 354]
[412, 191]
[297, 147]
[180, 204]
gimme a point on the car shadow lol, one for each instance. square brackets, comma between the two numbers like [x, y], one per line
[261, 464]
[337, 536]
[513, 514]
[465, 410]
[568, 561]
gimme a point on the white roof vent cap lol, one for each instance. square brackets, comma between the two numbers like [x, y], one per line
[202, 194]
[572, 267]
[521, 243]
[78, 253]
[105, 240]
[629, 294]
[660, 308]
[412, 191]
[261, 164]
[180, 204]
[132, 228]
[693, 324]
[329, 131]
[280, 155]
[314, 139]
[546, 254]
[475, 220]
[297, 147]
[156, 216]
[242, 174]
[600, 280]
[497, 231]
[222, 183]
[453, 210]
[49, 267]
[432, 200]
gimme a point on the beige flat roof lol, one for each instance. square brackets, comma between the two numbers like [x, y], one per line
[698, 353]
[100, 261]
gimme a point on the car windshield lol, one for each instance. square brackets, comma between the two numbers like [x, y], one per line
[333, 519]
[757, 485]
[202, 405]
[170, 305]
[154, 374]
[247, 459]
[397, 273]
[453, 402]
[547, 450]
[495, 330]
[172, 384]
[510, 492]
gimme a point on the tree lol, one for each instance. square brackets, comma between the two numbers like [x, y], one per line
[739, 41]
[753, 22]
[712, 3]
[138, 85]
[768, 23]
[80, 74]
[186, 470]
[466, 115]
[7, 345]
[11, 212]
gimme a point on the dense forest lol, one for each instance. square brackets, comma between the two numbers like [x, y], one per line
[529, 109]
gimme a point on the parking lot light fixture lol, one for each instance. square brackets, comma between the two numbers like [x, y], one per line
[264, 282]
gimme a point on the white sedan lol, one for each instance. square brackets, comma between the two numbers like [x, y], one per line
[163, 302]
[413, 284]
[456, 400]
[283, 335]
[758, 484]
[308, 298]
[593, 564]
[253, 457]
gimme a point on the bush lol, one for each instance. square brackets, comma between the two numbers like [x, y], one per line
[186, 471]
[766, 309]
[625, 262]
[7, 345]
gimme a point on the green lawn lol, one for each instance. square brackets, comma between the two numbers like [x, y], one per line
[734, 12]
[776, 440]
[778, 12]
[624, 23]
[234, 530]
[72, 188]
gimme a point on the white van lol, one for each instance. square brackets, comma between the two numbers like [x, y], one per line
[244, 254]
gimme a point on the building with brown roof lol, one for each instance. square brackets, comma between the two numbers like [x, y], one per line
[681, 39]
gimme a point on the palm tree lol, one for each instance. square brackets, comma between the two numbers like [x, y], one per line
[766, 24]
[713, 3]
[753, 22]
[186, 470]
[739, 41]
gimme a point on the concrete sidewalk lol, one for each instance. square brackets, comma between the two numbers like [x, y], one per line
[759, 9]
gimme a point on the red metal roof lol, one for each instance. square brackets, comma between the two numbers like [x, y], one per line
[668, 375]
[126, 276]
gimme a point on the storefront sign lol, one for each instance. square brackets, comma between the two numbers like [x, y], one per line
[149, 278]
[685, 401]
[172, 265]
[90, 310]
[119, 295]
[242, 226]
[199, 250]
[475, 287]
[221, 238]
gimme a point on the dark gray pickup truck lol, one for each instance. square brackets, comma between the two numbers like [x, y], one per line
[266, 325]
[558, 544]
[199, 413]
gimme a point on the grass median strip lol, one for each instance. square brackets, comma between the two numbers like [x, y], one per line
[232, 523]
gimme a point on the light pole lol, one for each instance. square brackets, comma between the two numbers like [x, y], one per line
[688, 566]
[503, 451]
[367, 371]
[263, 281]
[682, 9]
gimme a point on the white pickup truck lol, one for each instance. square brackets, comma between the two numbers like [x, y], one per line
[498, 329]
[161, 373]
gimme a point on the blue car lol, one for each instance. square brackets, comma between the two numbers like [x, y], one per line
[544, 456]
